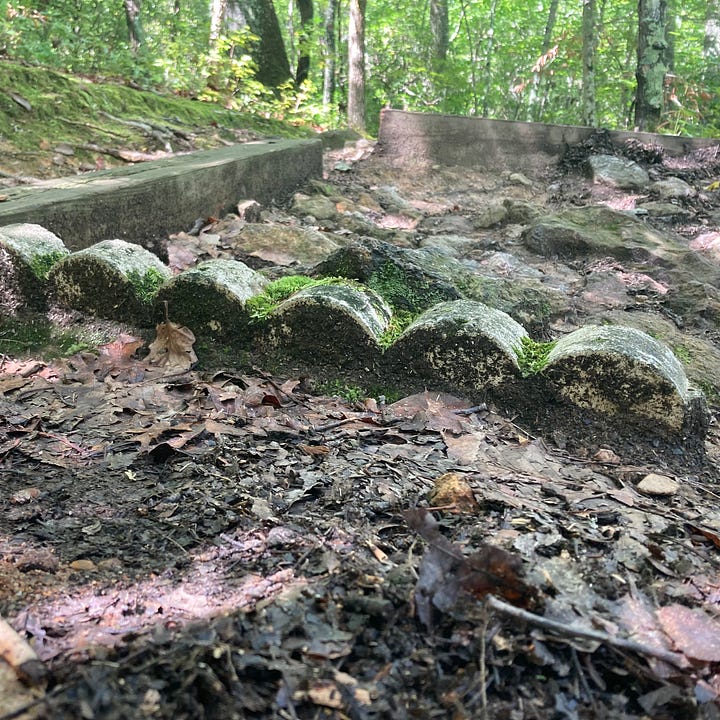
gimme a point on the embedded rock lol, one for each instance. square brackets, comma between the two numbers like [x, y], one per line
[493, 214]
[459, 346]
[598, 232]
[316, 206]
[113, 279]
[210, 299]
[623, 373]
[621, 173]
[396, 273]
[672, 188]
[282, 245]
[657, 209]
[334, 327]
[27, 252]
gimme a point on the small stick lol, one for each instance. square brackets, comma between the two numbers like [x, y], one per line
[676, 659]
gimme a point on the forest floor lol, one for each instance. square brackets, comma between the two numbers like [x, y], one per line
[224, 544]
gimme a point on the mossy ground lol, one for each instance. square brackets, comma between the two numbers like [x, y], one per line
[36, 336]
[77, 112]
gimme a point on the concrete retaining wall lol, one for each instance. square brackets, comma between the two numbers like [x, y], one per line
[146, 202]
[410, 137]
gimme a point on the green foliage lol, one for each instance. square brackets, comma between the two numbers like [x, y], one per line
[399, 322]
[505, 60]
[351, 393]
[146, 285]
[532, 356]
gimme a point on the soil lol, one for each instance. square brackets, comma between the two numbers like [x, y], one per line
[218, 544]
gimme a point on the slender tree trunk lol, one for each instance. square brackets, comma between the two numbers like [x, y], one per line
[134, 24]
[651, 63]
[305, 8]
[273, 68]
[669, 36]
[711, 42]
[538, 100]
[329, 40]
[489, 57]
[473, 54]
[356, 65]
[588, 59]
[217, 17]
[440, 31]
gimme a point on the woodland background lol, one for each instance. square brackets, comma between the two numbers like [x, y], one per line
[646, 64]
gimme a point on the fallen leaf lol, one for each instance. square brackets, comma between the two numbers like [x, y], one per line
[24, 496]
[445, 570]
[172, 348]
[21, 101]
[122, 348]
[452, 491]
[604, 455]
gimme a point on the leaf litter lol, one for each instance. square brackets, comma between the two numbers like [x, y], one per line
[184, 544]
[169, 534]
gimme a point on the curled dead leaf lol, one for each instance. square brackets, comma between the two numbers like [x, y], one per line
[173, 347]
[451, 491]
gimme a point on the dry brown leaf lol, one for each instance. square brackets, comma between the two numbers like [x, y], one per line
[315, 450]
[452, 491]
[120, 351]
[173, 347]
[463, 448]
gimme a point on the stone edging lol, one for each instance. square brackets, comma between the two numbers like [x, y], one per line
[459, 346]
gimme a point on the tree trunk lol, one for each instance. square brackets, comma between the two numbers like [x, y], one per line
[305, 8]
[440, 31]
[329, 40]
[217, 17]
[711, 43]
[269, 54]
[589, 22]
[537, 99]
[134, 24]
[651, 63]
[356, 66]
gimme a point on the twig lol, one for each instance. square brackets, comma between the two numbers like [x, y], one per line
[290, 396]
[675, 659]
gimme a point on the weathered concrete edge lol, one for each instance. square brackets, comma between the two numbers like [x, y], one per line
[147, 202]
[420, 138]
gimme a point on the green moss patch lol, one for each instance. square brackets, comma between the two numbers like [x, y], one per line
[260, 307]
[532, 356]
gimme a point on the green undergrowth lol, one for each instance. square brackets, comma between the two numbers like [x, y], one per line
[42, 264]
[358, 393]
[532, 356]
[400, 321]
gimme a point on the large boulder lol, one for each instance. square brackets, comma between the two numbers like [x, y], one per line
[618, 172]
